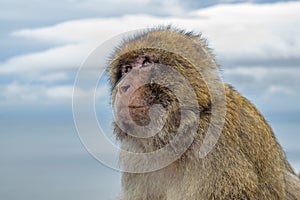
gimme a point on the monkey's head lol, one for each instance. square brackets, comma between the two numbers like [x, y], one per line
[157, 69]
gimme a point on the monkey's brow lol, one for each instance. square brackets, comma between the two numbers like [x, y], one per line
[123, 63]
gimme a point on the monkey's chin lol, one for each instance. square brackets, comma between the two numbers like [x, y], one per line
[134, 119]
[140, 115]
[142, 121]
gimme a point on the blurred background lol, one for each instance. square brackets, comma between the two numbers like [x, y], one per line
[43, 43]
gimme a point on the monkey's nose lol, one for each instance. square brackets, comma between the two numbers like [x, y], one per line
[124, 88]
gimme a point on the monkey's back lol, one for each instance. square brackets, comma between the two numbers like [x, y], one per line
[251, 154]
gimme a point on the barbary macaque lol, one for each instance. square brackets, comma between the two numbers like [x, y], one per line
[165, 83]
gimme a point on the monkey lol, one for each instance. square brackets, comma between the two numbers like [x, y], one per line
[245, 162]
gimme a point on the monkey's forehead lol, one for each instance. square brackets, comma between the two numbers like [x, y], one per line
[132, 56]
[163, 46]
[191, 47]
[166, 39]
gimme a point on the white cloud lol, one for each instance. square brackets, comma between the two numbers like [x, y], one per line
[53, 77]
[279, 90]
[58, 58]
[237, 32]
[269, 86]
[60, 10]
[22, 94]
[15, 92]
[64, 92]
[261, 73]
[253, 31]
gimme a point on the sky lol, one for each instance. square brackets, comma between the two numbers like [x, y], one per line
[44, 43]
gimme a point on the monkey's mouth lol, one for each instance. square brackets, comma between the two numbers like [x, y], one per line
[138, 103]
[138, 106]
[139, 112]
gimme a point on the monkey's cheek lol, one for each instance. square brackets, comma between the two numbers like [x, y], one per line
[140, 116]
[123, 118]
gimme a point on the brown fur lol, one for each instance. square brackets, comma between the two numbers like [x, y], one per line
[246, 163]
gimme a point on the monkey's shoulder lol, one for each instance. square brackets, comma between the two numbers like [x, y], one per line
[238, 104]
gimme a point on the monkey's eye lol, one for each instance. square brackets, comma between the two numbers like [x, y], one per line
[128, 68]
[147, 62]
[125, 69]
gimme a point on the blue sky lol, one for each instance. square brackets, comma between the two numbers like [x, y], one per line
[43, 43]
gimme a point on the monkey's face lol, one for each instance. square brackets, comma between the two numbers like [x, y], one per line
[133, 94]
[137, 90]
[152, 92]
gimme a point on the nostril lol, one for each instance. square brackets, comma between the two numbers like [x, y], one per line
[125, 88]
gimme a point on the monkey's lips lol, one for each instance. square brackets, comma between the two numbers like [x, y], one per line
[138, 106]
[139, 114]
[138, 103]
